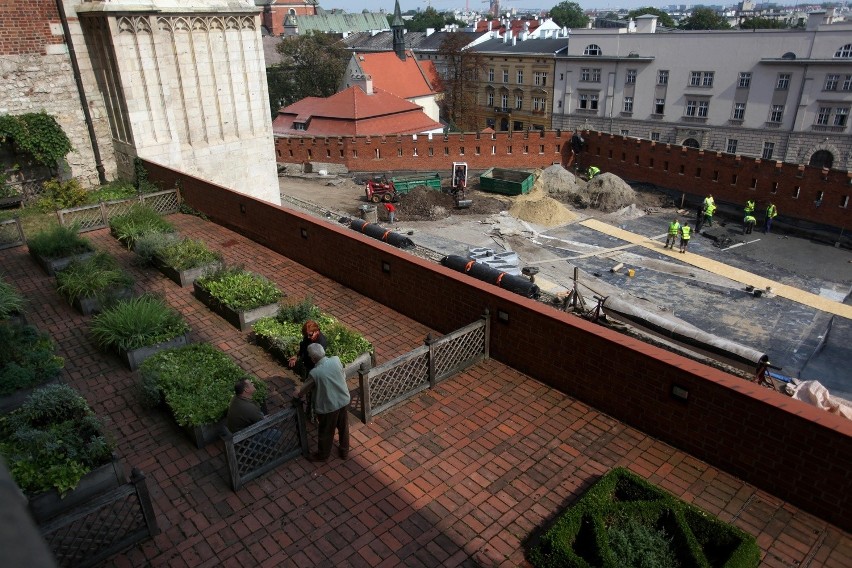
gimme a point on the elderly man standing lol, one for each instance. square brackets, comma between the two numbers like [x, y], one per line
[331, 399]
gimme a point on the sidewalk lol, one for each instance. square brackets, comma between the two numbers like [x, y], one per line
[458, 476]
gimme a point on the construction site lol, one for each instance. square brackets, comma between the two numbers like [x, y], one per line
[739, 302]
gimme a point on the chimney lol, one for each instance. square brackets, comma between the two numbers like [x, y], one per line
[363, 81]
[646, 24]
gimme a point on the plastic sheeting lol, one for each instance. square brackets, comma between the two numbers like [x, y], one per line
[480, 271]
[378, 232]
[817, 395]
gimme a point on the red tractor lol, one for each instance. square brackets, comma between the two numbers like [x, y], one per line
[379, 189]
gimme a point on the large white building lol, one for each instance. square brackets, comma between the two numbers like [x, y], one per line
[776, 94]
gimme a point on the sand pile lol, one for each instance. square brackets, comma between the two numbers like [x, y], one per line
[536, 207]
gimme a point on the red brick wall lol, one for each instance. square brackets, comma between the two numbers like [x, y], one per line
[25, 26]
[785, 447]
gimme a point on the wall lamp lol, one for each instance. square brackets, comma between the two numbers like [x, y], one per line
[502, 316]
[680, 393]
[386, 267]
[304, 233]
[243, 208]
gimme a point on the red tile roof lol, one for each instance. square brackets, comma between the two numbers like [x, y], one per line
[353, 112]
[407, 79]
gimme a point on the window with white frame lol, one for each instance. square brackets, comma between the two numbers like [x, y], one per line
[540, 78]
[588, 101]
[625, 132]
[490, 97]
[844, 52]
[731, 146]
[831, 82]
[745, 80]
[662, 77]
[630, 77]
[823, 116]
[701, 78]
[491, 75]
[739, 111]
[847, 83]
[505, 75]
[504, 100]
[519, 102]
[655, 136]
[628, 104]
[783, 82]
[768, 149]
[703, 108]
[299, 126]
[659, 106]
[596, 75]
[840, 116]
[592, 49]
[520, 76]
[697, 109]
[539, 104]
[777, 113]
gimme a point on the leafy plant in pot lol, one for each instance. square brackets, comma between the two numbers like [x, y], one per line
[139, 327]
[28, 359]
[182, 260]
[197, 383]
[240, 296]
[56, 247]
[138, 221]
[93, 283]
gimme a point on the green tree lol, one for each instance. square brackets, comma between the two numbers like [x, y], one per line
[428, 18]
[663, 18]
[312, 66]
[762, 24]
[459, 81]
[704, 19]
[569, 14]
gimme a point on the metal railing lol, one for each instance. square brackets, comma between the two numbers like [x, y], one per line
[265, 445]
[106, 525]
[389, 384]
[97, 216]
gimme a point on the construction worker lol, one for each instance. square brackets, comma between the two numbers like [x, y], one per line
[684, 237]
[771, 213]
[749, 207]
[709, 209]
[593, 171]
[749, 222]
[708, 201]
[674, 229]
[699, 218]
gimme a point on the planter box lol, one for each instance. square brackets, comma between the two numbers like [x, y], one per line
[13, 201]
[54, 265]
[47, 505]
[10, 402]
[206, 433]
[135, 357]
[351, 370]
[185, 278]
[90, 305]
[17, 318]
[242, 320]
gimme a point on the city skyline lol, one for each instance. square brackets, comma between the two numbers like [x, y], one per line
[520, 5]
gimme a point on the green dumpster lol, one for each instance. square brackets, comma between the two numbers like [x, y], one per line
[507, 182]
[404, 184]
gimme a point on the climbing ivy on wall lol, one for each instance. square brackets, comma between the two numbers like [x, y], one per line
[36, 134]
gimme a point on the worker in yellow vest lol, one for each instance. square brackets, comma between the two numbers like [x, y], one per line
[748, 223]
[674, 229]
[771, 213]
[708, 201]
[593, 171]
[749, 207]
[708, 212]
[684, 237]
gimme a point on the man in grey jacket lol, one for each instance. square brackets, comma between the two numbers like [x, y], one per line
[331, 400]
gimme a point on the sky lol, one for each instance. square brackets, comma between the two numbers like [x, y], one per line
[441, 5]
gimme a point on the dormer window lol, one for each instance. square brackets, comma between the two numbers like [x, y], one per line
[593, 49]
[299, 126]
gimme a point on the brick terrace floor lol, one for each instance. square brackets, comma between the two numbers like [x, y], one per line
[458, 476]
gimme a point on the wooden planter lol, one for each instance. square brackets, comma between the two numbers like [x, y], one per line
[206, 433]
[49, 504]
[351, 370]
[135, 357]
[13, 201]
[10, 402]
[91, 305]
[185, 278]
[54, 265]
[242, 320]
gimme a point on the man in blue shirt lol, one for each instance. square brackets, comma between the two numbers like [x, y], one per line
[327, 380]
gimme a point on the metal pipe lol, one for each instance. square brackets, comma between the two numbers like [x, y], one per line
[87, 116]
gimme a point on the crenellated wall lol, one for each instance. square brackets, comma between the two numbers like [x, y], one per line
[783, 446]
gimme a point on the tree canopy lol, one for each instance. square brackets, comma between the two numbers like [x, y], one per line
[459, 81]
[663, 18]
[312, 66]
[428, 18]
[704, 19]
[762, 24]
[569, 15]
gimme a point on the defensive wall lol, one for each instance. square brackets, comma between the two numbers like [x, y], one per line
[785, 447]
[800, 192]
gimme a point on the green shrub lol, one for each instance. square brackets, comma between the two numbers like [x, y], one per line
[239, 289]
[8, 189]
[28, 358]
[99, 276]
[11, 301]
[147, 247]
[139, 220]
[284, 332]
[58, 194]
[137, 322]
[187, 254]
[53, 440]
[59, 241]
[113, 191]
[196, 382]
[623, 520]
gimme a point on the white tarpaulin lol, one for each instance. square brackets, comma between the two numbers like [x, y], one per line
[814, 393]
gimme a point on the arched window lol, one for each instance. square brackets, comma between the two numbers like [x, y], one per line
[292, 12]
[691, 143]
[592, 49]
[844, 52]
[822, 159]
[789, 55]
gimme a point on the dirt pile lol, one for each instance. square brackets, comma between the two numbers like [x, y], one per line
[558, 180]
[538, 208]
[608, 192]
[426, 204]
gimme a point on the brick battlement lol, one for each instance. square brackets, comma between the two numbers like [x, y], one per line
[25, 26]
